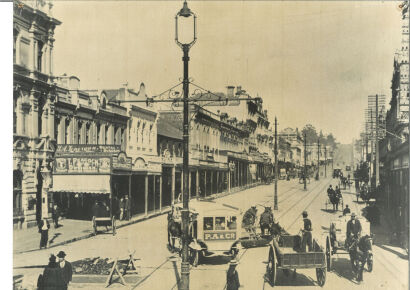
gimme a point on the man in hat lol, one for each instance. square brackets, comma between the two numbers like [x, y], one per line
[346, 210]
[353, 229]
[66, 269]
[306, 233]
[249, 218]
[232, 277]
[43, 228]
[266, 220]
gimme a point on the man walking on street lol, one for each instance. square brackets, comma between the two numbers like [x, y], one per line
[346, 210]
[306, 233]
[66, 269]
[43, 228]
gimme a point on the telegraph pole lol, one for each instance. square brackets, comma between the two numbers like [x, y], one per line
[377, 141]
[275, 199]
[318, 158]
[326, 160]
[304, 169]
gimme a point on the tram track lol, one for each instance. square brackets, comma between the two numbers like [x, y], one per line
[288, 199]
[383, 261]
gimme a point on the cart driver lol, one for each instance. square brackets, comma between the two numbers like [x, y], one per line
[306, 233]
[353, 229]
[249, 219]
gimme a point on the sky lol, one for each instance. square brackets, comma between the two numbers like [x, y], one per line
[311, 62]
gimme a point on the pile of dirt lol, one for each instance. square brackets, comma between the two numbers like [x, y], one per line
[94, 266]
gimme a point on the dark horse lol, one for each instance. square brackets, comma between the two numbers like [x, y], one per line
[360, 251]
[174, 231]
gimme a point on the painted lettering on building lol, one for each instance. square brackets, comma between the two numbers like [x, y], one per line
[212, 236]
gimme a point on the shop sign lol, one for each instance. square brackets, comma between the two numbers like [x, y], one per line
[140, 164]
[68, 165]
[122, 162]
[64, 149]
[218, 236]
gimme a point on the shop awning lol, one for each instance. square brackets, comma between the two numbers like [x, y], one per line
[81, 183]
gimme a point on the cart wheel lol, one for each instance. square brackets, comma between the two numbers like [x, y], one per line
[370, 264]
[94, 226]
[114, 227]
[193, 257]
[271, 268]
[321, 276]
[328, 254]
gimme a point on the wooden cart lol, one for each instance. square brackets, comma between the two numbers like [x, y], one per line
[335, 240]
[284, 254]
[103, 217]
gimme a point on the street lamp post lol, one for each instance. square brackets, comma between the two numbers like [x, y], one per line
[318, 158]
[185, 14]
[304, 169]
[275, 199]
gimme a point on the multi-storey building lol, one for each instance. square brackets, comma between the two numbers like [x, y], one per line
[296, 145]
[33, 110]
[394, 148]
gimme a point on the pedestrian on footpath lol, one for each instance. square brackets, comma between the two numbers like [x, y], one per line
[126, 207]
[55, 215]
[232, 276]
[43, 228]
[51, 279]
[122, 206]
[66, 270]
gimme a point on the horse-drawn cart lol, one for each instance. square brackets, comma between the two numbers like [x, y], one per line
[330, 201]
[103, 217]
[336, 239]
[285, 254]
[214, 229]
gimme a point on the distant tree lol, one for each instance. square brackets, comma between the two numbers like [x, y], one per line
[331, 141]
[311, 134]
[322, 138]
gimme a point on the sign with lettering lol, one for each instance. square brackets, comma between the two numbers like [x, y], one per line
[68, 165]
[122, 162]
[213, 236]
[69, 149]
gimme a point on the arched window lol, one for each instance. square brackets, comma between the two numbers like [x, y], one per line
[17, 192]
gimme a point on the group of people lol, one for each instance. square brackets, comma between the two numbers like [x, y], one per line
[56, 275]
[266, 220]
[335, 196]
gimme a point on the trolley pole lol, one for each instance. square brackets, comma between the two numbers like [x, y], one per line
[318, 159]
[275, 198]
[326, 160]
[377, 141]
[304, 169]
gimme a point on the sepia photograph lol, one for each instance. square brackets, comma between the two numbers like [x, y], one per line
[192, 144]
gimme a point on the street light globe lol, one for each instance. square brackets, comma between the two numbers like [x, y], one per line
[185, 27]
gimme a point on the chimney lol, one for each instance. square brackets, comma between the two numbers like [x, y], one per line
[238, 89]
[141, 92]
[230, 90]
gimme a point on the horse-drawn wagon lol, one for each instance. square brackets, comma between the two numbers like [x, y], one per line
[336, 243]
[285, 254]
[214, 229]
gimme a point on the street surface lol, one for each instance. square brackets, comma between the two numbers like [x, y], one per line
[161, 270]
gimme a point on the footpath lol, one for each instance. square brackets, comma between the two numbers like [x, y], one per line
[28, 240]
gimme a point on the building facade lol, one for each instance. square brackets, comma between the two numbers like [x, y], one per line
[394, 148]
[33, 110]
